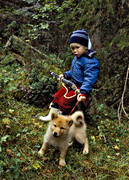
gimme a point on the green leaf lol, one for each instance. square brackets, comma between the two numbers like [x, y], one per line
[4, 138]
[36, 165]
[6, 121]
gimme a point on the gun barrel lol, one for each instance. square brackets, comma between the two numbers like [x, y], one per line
[53, 74]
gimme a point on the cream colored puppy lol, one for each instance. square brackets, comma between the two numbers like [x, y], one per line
[64, 129]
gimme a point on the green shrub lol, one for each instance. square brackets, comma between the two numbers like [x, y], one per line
[30, 82]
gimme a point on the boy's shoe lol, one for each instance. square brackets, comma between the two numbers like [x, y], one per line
[48, 117]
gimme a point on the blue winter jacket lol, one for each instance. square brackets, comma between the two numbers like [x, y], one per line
[84, 72]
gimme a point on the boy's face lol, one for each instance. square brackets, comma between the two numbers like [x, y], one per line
[77, 49]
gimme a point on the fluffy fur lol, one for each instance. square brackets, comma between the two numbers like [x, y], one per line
[64, 129]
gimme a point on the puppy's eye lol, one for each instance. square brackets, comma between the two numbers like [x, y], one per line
[54, 125]
[62, 128]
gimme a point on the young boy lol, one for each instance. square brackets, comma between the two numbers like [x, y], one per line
[83, 73]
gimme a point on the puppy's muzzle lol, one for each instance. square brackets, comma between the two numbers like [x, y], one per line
[55, 134]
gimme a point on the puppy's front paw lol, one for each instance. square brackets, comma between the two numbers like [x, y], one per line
[41, 152]
[85, 151]
[62, 162]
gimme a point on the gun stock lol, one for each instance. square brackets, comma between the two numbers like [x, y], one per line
[67, 82]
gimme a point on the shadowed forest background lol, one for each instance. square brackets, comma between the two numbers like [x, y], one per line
[34, 37]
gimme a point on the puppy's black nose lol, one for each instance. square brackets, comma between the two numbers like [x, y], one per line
[55, 134]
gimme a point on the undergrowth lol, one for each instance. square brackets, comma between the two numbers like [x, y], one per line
[22, 135]
[31, 82]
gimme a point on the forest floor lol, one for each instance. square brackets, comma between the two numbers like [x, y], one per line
[22, 136]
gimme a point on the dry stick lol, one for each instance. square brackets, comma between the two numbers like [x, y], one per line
[121, 104]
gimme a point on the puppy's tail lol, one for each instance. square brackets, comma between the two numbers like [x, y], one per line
[78, 118]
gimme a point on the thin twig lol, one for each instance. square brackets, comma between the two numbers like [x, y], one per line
[121, 104]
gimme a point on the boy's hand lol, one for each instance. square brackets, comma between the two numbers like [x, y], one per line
[60, 77]
[81, 97]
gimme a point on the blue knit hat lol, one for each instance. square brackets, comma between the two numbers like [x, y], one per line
[79, 36]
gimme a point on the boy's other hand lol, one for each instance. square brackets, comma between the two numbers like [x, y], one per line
[81, 97]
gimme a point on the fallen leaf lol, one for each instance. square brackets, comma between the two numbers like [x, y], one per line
[116, 147]
[9, 152]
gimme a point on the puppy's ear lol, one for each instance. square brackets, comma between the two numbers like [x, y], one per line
[70, 122]
[54, 116]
